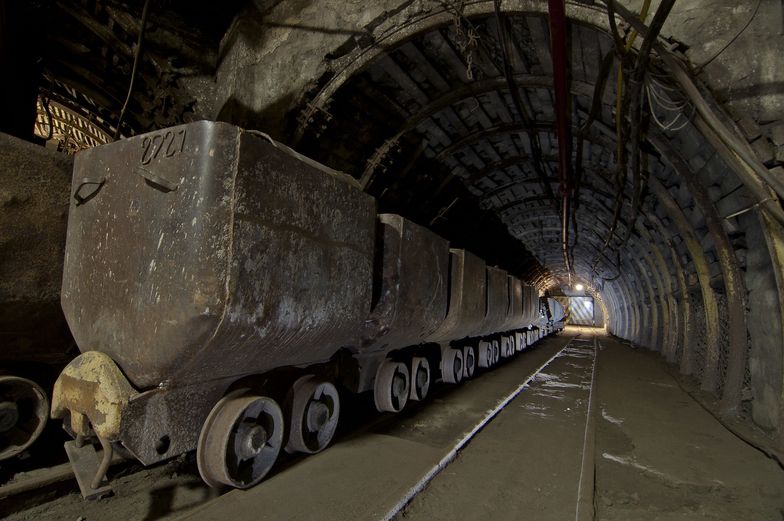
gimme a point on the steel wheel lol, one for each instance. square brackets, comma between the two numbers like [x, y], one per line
[451, 366]
[496, 352]
[469, 361]
[485, 354]
[392, 386]
[506, 350]
[240, 440]
[314, 410]
[420, 378]
[24, 409]
[520, 340]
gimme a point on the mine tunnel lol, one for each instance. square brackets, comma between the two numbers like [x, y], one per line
[607, 172]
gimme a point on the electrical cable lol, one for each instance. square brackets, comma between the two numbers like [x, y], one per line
[620, 108]
[635, 111]
[668, 126]
[664, 101]
[136, 54]
[730, 140]
[752, 172]
[700, 68]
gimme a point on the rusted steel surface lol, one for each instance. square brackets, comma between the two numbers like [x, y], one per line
[229, 255]
[530, 306]
[467, 299]
[497, 301]
[515, 309]
[412, 287]
[161, 423]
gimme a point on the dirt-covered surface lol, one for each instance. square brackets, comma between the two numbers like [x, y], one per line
[525, 464]
[660, 456]
[34, 197]
[161, 492]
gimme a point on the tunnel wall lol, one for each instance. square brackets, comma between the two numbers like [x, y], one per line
[698, 281]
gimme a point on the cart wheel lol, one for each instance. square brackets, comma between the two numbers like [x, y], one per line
[420, 378]
[314, 412]
[519, 342]
[240, 440]
[452, 366]
[485, 354]
[392, 386]
[24, 409]
[504, 347]
[469, 362]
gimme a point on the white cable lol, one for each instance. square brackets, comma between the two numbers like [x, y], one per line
[668, 126]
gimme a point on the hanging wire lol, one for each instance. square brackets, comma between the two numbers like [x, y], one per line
[678, 110]
[136, 54]
[466, 39]
[661, 101]
[700, 68]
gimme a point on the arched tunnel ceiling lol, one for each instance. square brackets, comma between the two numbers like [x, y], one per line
[451, 104]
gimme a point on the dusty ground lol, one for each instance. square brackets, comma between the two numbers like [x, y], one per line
[658, 456]
[661, 457]
[526, 464]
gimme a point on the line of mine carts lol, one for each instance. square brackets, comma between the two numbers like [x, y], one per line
[224, 291]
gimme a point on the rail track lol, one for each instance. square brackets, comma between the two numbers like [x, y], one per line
[434, 432]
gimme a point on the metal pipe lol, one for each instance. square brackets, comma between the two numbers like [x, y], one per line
[558, 38]
[565, 235]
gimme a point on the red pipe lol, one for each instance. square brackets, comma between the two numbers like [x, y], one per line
[558, 39]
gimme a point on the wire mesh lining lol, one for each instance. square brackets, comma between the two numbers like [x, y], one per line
[746, 392]
[699, 335]
[723, 340]
[675, 329]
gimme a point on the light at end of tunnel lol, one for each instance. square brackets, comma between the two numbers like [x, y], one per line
[579, 287]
